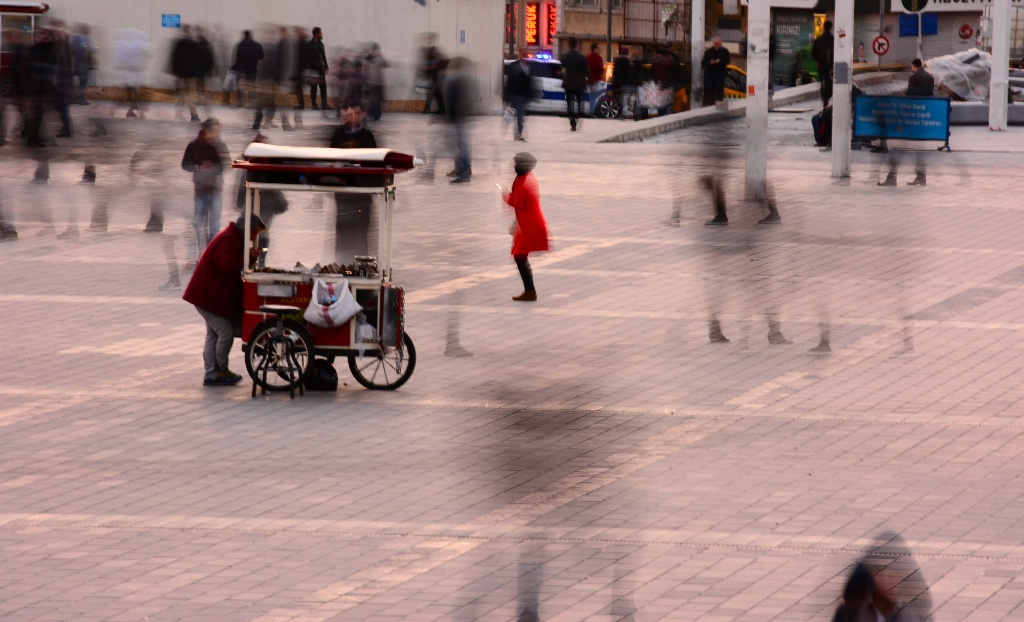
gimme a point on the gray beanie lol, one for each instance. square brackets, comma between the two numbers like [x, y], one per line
[525, 161]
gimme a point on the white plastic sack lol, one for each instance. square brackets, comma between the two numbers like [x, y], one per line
[651, 96]
[965, 75]
[230, 82]
[335, 313]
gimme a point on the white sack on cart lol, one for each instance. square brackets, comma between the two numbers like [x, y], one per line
[333, 314]
[965, 75]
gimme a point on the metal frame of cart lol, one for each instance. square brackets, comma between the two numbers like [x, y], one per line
[275, 336]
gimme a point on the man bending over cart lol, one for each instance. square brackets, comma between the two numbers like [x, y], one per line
[216, 292]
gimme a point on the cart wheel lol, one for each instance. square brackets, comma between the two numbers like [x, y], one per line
[268, 350]
[386, 369]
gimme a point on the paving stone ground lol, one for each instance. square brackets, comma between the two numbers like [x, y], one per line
[597, 458]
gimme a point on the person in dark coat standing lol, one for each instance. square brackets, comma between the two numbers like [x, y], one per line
[185, 67]
[823, 53]
[432, 66]
[622, 79]
[921, 83]
[530, 230]
[316, 70]
[460, 88]
[248, 54]
[575, 76]
[206, 157]
[216, 292]
[298, 66]
[518, 90]
[352, 220]
[714, 65]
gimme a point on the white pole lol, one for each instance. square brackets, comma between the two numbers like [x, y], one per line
[758, 24]
[841, 109]
[998, 90]
[696, 52]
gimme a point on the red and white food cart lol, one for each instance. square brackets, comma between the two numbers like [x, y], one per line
[16, 16]
[279, 344]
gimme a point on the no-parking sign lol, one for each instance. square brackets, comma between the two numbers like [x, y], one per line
[880, 45]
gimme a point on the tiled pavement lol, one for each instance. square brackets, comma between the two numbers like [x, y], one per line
[597, 455]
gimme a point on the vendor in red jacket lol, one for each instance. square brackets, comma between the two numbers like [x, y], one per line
[530, 232]
[216, 291]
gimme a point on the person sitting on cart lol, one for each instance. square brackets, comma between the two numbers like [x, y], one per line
[352, 222]
[216, 292]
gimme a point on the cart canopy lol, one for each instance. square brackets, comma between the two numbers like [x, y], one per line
[375, 158]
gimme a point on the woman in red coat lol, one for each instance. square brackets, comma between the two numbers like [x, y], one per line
[531, 230]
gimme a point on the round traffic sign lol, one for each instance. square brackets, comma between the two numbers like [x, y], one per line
[915, 6]
[966, 31]
[880, 45]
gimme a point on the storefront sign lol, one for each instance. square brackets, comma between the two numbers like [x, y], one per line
[911, 118]
[966, 31]
[552, 23]
[532, 10]
[792, 34]
[947, 6]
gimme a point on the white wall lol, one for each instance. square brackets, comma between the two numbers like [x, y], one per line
[394, 24]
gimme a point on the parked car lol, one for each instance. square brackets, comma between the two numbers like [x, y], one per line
[548, 95]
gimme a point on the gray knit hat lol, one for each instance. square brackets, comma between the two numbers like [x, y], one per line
[525, 161]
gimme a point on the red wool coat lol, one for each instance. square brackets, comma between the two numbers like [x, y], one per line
[216, 285]
[531, 233]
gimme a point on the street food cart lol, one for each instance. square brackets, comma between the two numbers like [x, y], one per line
[280, 345]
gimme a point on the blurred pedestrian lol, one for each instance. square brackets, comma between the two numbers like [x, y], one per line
[298, 66]
[432, 66]
[316, 69]
[921, 84]
[83, 59]
[248, 54]
[204, 66]
[595, 62]
[185, 67]
[459, 94]
[206, 157]
[575, 76]
[622, 82]
[131, 56]
[272, 203]
[354, 211]
[518, 90]
[530, 229]
[886, 584]
[373, 72]
[267, 78]
[216, 292]
[823, 53]
[16, 99]
[715, 64]
[285, 72]
[45, 57]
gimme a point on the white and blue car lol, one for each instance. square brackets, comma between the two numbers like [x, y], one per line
[548, 95]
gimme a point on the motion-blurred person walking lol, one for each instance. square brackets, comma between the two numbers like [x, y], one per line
[460, 88]
[714, 65]
[268, 75]
[575, 76]
[432, 66]
[518, 90]
[285, 72]
[373, 72]
[622, 82]
[248, 54]
[44, 60]
[206, 157]
[131, 56]
[921, 84]
[185, 65]
[530, 229]
[83, 59]
[298, 67]
[16, 99]
[315, 70]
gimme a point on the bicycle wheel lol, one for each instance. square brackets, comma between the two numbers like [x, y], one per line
[386, 369]
[286, 365]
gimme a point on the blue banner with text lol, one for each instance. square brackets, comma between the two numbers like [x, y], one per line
[910, 118]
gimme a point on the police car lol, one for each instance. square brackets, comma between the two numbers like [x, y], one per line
[548, 96]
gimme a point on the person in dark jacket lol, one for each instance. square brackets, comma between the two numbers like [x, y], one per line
[316, 70]
[206, 157]
[432, 66]
[352, 220]
[575, 77]
[248, 54]
[298, 65]
[921, 83]
[272, 203]
[459, 89]
[186, 66]
[622, 79]
[823, 53]
[216, 292]
[714, 65]
[518, 90]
